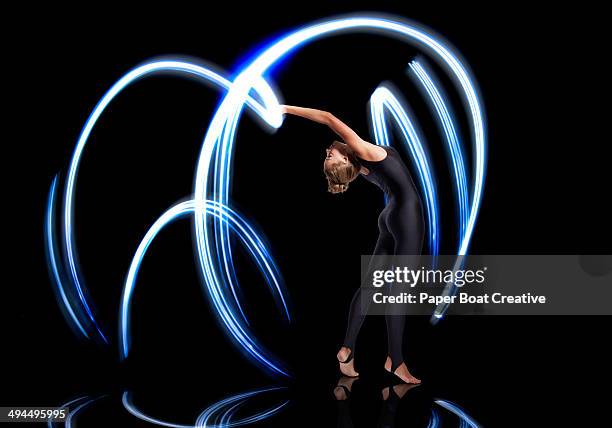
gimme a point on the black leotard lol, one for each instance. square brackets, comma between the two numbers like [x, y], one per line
[402, 217]
[401, 229]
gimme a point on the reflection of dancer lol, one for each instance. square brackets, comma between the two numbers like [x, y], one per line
[400, 223]
[343, 392]
[391, 396]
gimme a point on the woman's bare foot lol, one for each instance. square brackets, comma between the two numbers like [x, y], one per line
[402, 372]
[344, 384]
[348, 368]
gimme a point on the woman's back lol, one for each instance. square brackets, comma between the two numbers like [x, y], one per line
[392, 176]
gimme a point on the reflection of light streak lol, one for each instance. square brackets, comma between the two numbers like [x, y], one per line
[465, 418]
[434, 420]
[222, 410]
[218, 415]
[221, 414]
[81, 403]
[51, 423]
[126, 399]
[383, 98]
[255, 247]
[447, 123]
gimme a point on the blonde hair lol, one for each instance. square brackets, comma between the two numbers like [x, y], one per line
[340, 174]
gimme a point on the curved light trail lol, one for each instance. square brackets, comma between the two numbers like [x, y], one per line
[447, 123]
[163, 66]
[52, 258]
[255, 247]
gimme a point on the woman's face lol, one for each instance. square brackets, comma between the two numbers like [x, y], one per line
[333, 155]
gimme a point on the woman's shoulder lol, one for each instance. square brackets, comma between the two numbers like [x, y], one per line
[384, 153]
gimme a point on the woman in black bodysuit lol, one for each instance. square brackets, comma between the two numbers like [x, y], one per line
[400, 223]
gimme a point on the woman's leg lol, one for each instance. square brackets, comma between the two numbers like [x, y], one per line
[385, 245]
[406, 226]
[395, 319]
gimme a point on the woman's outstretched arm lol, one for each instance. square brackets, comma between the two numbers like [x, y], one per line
[362, 148]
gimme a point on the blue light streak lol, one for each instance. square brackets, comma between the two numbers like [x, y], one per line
[447, 123]
[73, 320]
[156, 67]
[205, 74]
[383, 99]
[239, 332]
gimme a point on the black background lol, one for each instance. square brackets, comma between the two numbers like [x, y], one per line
[546, 193]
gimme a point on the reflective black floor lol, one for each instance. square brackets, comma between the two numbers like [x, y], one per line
[549, 376]
[498, 372]
[376, 400]
[351, 402]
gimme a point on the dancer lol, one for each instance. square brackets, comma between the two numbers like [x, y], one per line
[400, 223]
